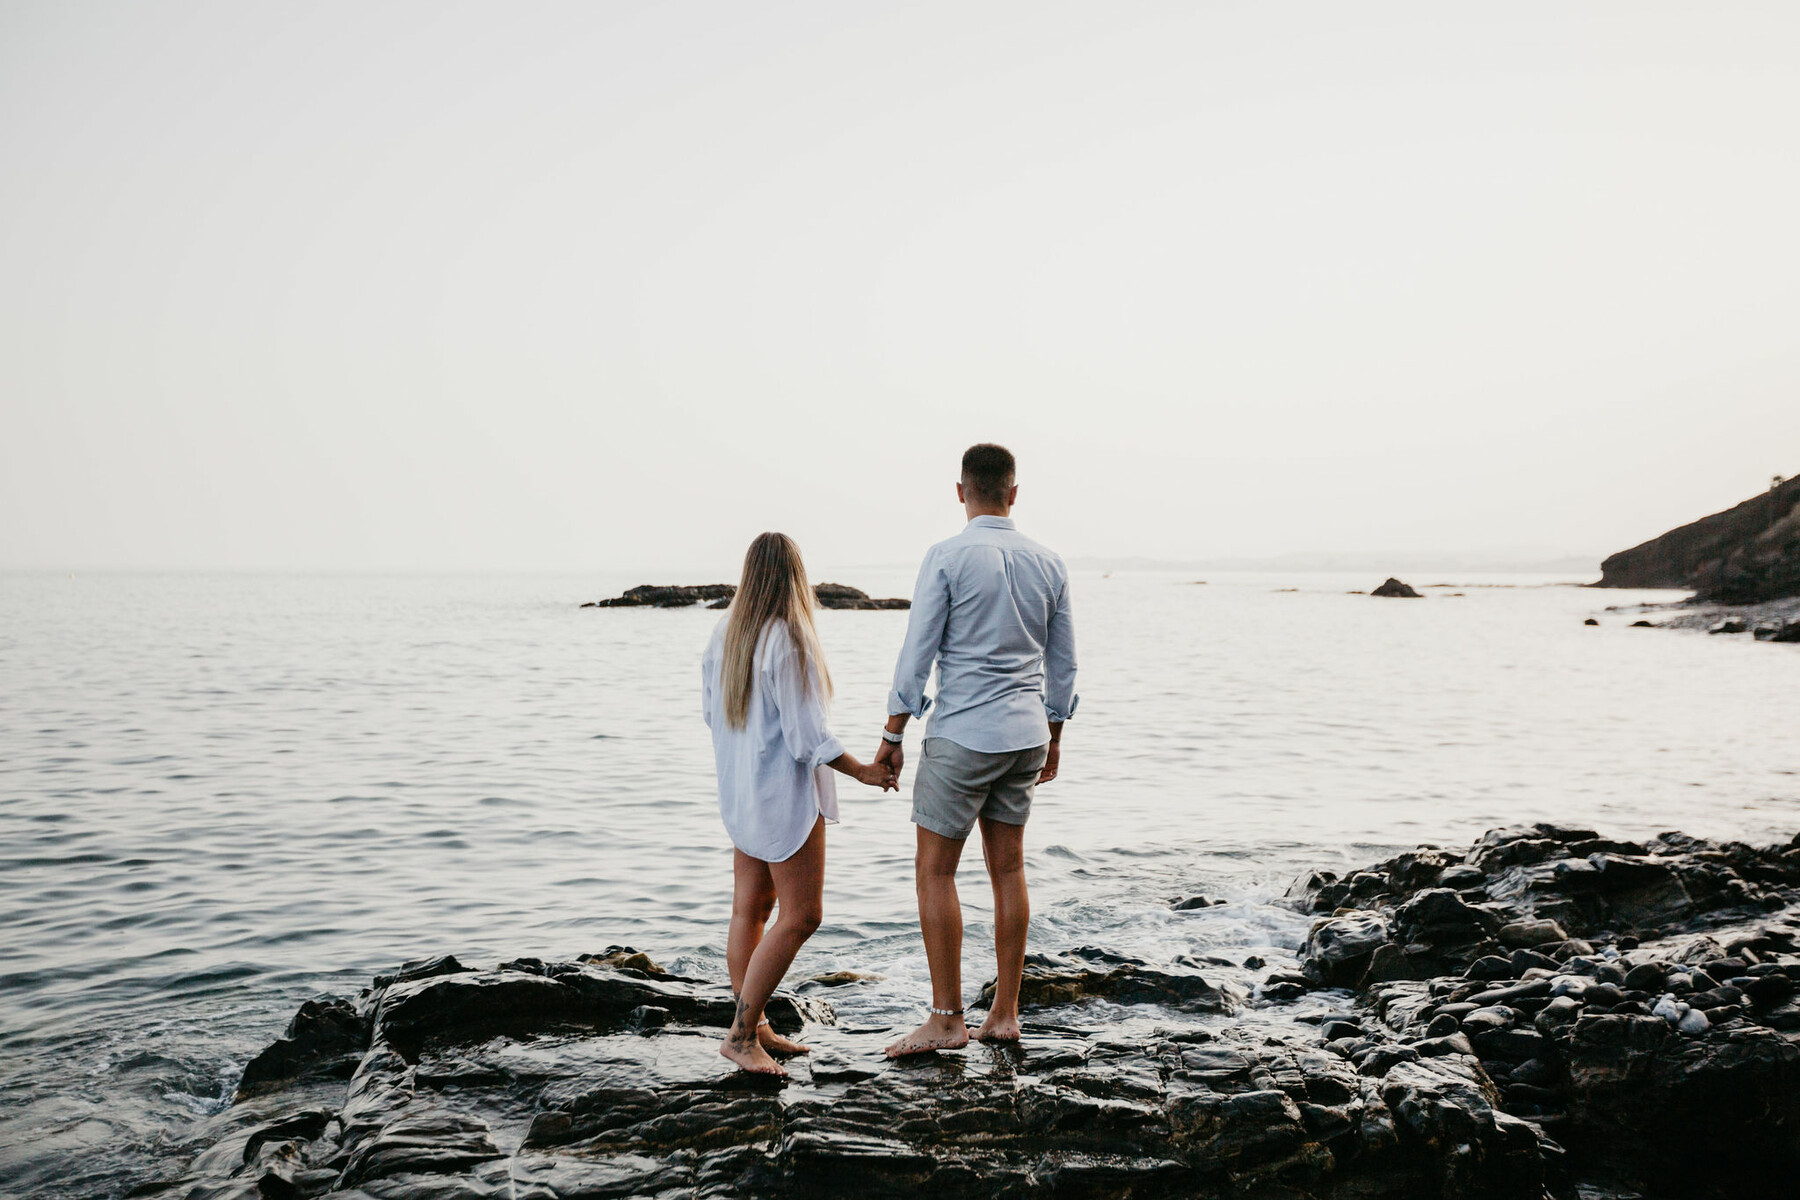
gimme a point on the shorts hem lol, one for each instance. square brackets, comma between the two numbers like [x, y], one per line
[939, 828]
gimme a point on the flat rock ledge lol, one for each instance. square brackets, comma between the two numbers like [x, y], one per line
[1548, 1013]
[718, 595]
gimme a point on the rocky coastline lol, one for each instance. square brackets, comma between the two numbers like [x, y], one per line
[1548, 1012]
[718, 595]
[1747, 554]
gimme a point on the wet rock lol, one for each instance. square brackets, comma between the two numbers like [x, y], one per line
[1730, 625]
[325, 1040]
[1531, 933]
[1787, 631]
[1591, 621]
[1393, 588]
[546, 1079]
[1338, 950]
[1192, 902]
[1069, 978]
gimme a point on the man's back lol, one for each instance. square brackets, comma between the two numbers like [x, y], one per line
[991, 607]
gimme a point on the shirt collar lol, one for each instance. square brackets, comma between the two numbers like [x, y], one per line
[986, 522]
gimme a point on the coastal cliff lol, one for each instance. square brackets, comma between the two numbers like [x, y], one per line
[1745, 555]
[1549, 1012]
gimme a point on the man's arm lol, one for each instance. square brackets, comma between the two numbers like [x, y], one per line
[924, 634]
[1059, 678]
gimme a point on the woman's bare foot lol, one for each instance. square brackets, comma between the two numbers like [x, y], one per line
[774, 1043]
[937, 1033]
[748, 1054]
[998, 1029]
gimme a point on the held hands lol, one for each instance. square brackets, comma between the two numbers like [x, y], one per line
[893, 757]
[879, 774]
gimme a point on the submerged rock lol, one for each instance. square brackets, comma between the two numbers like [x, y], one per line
[1394, 588]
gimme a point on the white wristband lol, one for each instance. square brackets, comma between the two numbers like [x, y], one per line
[892, 738]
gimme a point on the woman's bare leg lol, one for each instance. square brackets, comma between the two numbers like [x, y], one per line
[799, 886]
[752, 900]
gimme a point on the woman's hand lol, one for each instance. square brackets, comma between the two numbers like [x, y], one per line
[879, 774]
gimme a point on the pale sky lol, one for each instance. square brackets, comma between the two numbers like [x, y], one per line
[616, 286]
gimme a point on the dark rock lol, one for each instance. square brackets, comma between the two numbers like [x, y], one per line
[1070, 978]
[325, 1040]
[1527, 934]
[1590, 621]
[422, 968]
[1491, 967]
[1530, 960]
[1461, 876]
[1438, 915]
[1450, 1043]
[718, 595]
[1193, 902]
[1338, 950]
[1442, 1025]
[1642, 625]
[1787, 631]
[1730, 625]
[1394, 588]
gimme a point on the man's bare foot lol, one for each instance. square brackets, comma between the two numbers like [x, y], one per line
[937, 1033]
[748, 1054]
[774, 1043]
[998, 1029]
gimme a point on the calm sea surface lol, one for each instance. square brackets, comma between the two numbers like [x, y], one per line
[220, 795]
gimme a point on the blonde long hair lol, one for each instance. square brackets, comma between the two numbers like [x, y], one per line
[773, 588]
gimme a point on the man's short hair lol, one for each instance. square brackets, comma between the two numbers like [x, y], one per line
[987, 473]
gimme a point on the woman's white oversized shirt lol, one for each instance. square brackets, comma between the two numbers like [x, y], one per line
[773, 781]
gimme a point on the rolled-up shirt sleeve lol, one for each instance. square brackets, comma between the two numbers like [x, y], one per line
[1059, 660]
[924, 634]
[706, 698]
[802, 708]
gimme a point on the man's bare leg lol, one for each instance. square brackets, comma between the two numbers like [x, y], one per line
[799, 887]
[940, 921]
[1003, 846]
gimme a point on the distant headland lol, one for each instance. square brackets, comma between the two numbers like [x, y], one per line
[1748, 554]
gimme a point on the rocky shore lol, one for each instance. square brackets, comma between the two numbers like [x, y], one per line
[718, 595]
[1549, 1012]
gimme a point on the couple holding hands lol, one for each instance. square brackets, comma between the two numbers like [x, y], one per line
[991, 610]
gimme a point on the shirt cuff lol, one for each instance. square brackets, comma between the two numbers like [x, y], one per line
[1059, 717]
[897, 704]
[828, 750]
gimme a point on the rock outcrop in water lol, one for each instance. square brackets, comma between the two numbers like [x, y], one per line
[718, 595]
[1744, 555]
[1394, 589]
[1547, 988]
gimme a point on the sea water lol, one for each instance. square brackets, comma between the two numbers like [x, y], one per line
[223, 794]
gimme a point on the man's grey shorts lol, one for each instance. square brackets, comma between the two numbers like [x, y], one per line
[956, 786]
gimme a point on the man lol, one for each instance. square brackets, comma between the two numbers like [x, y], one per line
[991, 609]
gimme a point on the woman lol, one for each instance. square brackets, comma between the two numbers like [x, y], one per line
[764, 687]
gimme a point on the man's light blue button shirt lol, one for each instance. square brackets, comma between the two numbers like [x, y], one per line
[991, 609]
